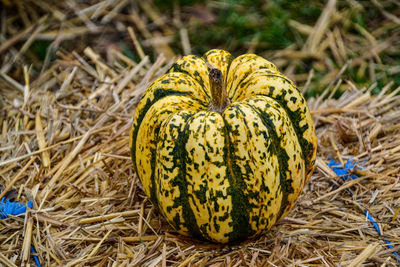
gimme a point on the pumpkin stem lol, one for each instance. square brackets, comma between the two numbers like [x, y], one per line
[219, 96]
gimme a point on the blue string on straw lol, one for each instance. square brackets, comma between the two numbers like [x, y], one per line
[344, 173]
[8, 207]
[35, 257]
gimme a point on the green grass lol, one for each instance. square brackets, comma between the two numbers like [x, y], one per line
[238, 23]
[263, 26]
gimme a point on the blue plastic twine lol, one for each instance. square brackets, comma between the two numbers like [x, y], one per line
[35, 257]
[8, 207]
[345, 174]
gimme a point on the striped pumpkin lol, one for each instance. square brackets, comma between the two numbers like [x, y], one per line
[223, 146]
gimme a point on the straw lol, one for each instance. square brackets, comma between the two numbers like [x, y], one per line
[344, 172]
[65, 122]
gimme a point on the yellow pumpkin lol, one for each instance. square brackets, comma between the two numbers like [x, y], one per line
[223, 146]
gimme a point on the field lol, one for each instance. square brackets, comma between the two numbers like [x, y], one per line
[72, 73]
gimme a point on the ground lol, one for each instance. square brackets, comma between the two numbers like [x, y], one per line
[71, 76]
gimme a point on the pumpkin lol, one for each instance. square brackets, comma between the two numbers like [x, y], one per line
[223, 146]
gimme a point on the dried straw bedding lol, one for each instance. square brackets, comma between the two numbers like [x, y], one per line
[67, 151]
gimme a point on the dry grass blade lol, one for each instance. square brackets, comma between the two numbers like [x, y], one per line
[365, 254]
[26, 245]
[41, 141]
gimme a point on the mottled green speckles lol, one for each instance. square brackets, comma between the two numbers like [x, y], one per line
[171, 161]
[201, 194]
[241, 67]
[216, 225]
[223, 177]
[286, 145]
[272, 85]
[248, 169]
[196, 68]
[206, 168]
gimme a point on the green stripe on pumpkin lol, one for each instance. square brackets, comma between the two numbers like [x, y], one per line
[146, 136]
[171, 177]
[206, 175]
[289, 97]
[240, 210]
[166, 85]
[287, 147]
[284, 172]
